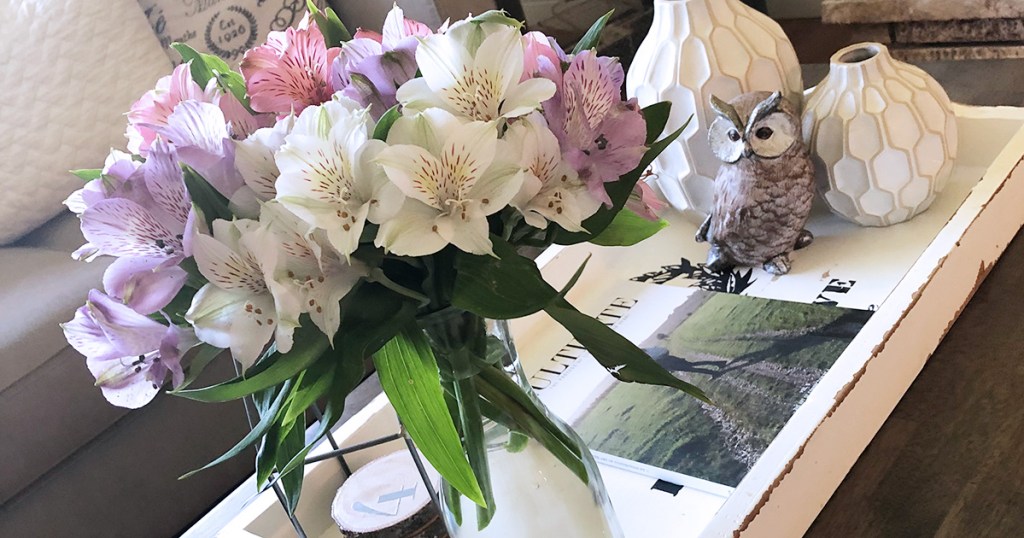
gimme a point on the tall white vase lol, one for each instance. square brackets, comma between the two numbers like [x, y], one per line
[883, 134]
[697, 48]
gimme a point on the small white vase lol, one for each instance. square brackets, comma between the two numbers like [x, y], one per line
[697, 48]
[883, 134]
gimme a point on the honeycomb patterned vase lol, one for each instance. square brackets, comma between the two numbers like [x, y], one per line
[883, 134]
[697, 48]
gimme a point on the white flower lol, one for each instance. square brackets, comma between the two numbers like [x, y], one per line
[328, 175]
[236, 309]
[552, 190]
[474, 71]
[314, 275]
[452, 177]
[254, 157]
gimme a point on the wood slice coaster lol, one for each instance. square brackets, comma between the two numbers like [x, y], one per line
[386, 498]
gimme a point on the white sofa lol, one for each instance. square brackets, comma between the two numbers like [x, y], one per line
[70, 463]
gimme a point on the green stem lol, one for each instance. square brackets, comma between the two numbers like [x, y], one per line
[378, 276]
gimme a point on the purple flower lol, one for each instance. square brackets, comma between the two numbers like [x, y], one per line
[129, 354]
[371, 67]
[601, 135]
[144, 216]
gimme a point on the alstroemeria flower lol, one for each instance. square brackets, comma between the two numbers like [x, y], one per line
[119, 173]
[156, 106]
[543, 57]
[645, 202]
[307, 268]
[254, 157]
[152, 222]
[236, 309]
[372, 66]
[290, 71]
[129, 354]
[328, 175]
[199, 134]
[551, 189]
[146, 285]
[478, 80]
[601, 136]
[454, 176]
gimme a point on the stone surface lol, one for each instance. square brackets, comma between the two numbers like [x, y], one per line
[959, 52]
[867, 11]
[987, 30]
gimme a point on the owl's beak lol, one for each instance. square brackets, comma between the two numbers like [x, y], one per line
[747, 151]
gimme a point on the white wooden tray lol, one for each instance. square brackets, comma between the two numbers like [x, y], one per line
[917, 276]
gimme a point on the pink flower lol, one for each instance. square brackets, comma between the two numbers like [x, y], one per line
[156, 106]
[129, 354]
[543, 58]
[645, 202]
[601, 135]
[290, 72]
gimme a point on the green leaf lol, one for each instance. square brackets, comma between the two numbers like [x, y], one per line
[291, 482]
[266, 421]
[619, 192]
[575, 278]
[334, 31]
[592, 38]
[408, 373]
[497, 16]
[205, 67]
[380, 132]
[309, 344]
[656, 116]
[619, 356]
[87, 174]
[627, 229]
[347, 376]
[500, 406]
[196, 279]
[212, 204]
[507, 287]
[311, 385]
[371, 315]
[200, 361]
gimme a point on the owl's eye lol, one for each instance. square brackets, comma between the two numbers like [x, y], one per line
[734, 135]
[764, 133]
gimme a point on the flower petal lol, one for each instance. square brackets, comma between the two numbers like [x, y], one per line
[144, 284]
[410, 232]
[525, 97]
[119, 227]
[226, 268]
[229, 319]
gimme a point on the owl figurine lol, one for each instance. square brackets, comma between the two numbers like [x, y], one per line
[765, 186]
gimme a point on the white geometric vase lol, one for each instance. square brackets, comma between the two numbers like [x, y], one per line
[883, 134]
[697, 48]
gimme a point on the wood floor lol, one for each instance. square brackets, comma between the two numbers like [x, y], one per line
[949, 462]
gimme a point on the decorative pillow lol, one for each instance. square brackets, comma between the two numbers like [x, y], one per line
[69, 70]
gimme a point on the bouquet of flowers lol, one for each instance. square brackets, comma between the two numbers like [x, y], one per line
[309, 211]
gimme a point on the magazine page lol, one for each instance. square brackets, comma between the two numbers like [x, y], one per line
[757, 359]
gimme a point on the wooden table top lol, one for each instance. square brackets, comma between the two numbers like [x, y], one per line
[949, 461]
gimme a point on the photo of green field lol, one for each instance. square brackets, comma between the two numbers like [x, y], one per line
[757, 359]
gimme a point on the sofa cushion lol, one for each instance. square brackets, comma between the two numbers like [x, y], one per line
[40, 289]
[71, 69]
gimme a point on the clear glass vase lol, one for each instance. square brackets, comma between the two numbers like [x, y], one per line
[534, 493]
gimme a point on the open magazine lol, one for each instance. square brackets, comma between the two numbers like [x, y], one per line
[756, 358]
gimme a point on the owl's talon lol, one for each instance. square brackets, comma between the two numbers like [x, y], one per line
[778, 265]
[717, 261]
[804, 240]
